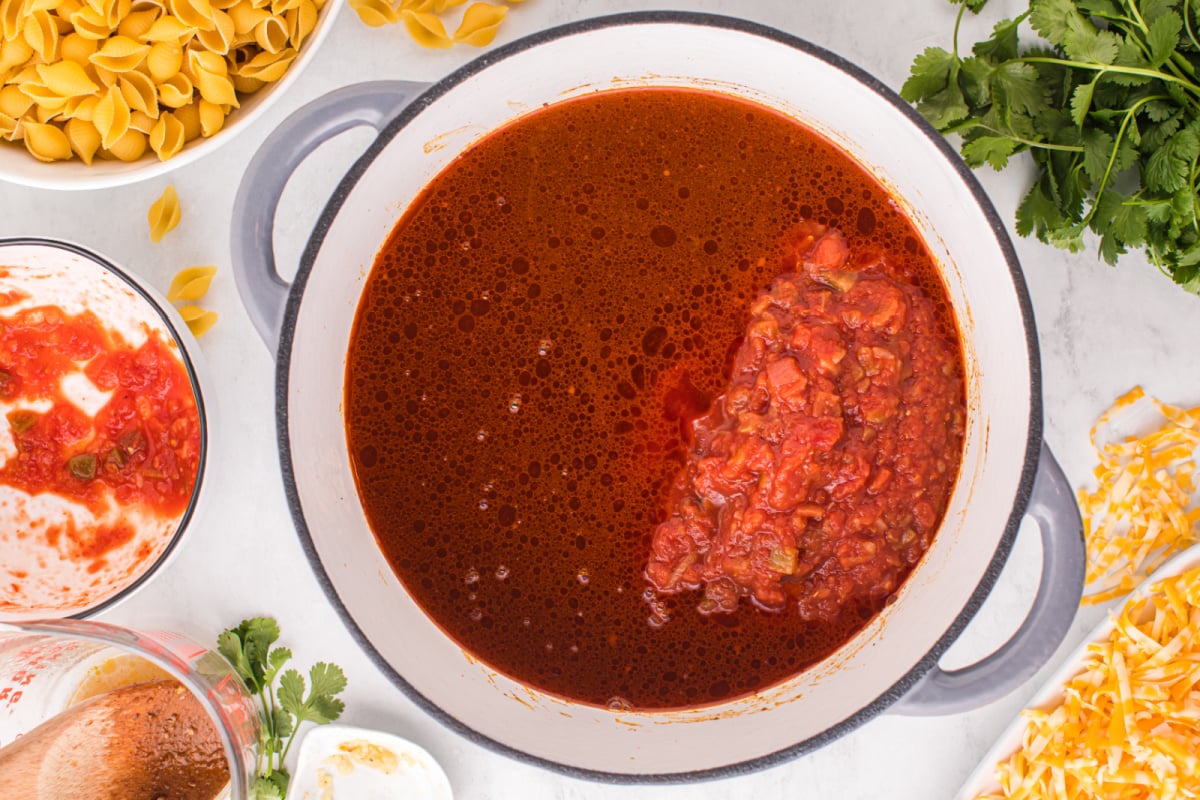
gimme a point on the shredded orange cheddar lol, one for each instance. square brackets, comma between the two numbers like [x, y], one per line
[1128, 724]
[1143, 510]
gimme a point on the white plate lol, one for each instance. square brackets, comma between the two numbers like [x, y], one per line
[326, 771]
[984, 779]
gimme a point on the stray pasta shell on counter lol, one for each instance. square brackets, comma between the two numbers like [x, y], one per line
[164, 215]
[375, 13]
[199, 320]
[480, 23]
[191, 283]
[426, 29]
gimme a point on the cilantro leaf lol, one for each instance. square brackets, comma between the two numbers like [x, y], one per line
[1003, 44]
[1081, 102]
[994, 150]
[1085, 43]
[974, 5]
[1052, 19]
[929, 74]
[1167, 169]
[1163, 37]
[1021, 87]
[248, 647]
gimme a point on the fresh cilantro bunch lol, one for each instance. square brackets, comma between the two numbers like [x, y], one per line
[284, 707]
[1108, 105]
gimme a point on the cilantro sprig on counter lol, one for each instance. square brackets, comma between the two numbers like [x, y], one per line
[249, 647]
[1108, 105]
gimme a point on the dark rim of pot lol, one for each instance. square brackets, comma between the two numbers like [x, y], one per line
[935, 139]
[193, 380]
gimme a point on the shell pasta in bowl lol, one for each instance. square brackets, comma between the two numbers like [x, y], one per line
[97, 93]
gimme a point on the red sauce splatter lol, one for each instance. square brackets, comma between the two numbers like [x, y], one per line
[142, 448]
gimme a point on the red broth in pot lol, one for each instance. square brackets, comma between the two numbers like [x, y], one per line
[537, 338]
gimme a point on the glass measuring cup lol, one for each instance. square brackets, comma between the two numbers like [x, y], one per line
[48, 666]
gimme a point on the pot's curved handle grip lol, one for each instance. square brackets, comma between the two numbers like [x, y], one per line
[263, 291]
[1064, 558]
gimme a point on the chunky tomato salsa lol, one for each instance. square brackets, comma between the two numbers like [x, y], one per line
[533, 367]
[138, 448]
[818, 479]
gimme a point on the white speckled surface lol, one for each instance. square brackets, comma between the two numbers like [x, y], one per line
[1102, 330]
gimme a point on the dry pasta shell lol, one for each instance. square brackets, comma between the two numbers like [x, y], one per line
[14, 54]
[281, 7]
[115, 11]
[191, 283]
[247, 85]
[45, 142]
[105, 76]
[199, 321]
[143, 122]
[212, 118]
[164, 60]
[8, 127]
[271, 34]
[168, 137]
[120, 54]
[426, 29]
[68, 7]
[129, 147]
[417, 6]
[260, 3]
[375, 13]
[220, 38]
[168, 29]
[268, 67]
[189, 117]
[246, 17]
[225, 5]
[193, 13]
[11, 19]
[111, 117]
[479, 24]
[301, 21]
[45, 100]
[81, 108]
[176, 91]
[41, 32]
[140, 93]
[66, 79]
[77, 48]
[43, 113]
[89, 24]
[211, 75]
[163, 216]
[137, 23]
[83, 138]
[441, 6]
[14, 102]
[41, 5]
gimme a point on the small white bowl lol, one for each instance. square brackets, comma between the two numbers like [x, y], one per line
[18, 166]
[327, 767]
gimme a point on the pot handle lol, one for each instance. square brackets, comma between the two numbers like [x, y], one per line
[1064, 558]
[263, 291]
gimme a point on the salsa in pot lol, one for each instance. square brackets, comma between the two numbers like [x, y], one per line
[550, 344]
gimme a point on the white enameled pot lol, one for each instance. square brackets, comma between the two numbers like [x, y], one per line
[42, 580]
[1005, 473]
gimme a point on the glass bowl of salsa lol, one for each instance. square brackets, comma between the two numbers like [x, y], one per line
[103, 435]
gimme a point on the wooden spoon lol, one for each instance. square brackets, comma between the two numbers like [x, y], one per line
[149, 741]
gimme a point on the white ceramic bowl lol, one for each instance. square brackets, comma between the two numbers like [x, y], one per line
[55, 581]
[896, 655]
[18, 166]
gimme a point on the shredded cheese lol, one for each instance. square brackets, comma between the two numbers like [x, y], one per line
[1128, 724]
[1144, 508]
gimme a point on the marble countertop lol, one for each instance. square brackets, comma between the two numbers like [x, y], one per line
[1102, 330]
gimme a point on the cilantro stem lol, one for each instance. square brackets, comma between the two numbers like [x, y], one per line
[1110, 68]
[1112, 156]
[969, 124]
[1187, 23]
